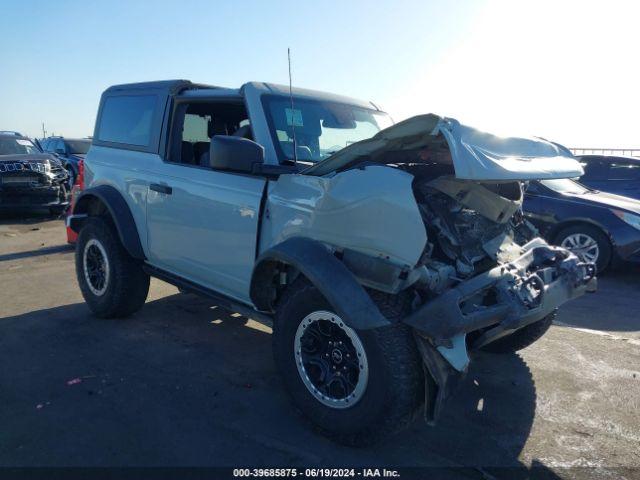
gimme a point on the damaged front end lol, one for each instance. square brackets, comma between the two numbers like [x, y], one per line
[499, 277]
[475, 268]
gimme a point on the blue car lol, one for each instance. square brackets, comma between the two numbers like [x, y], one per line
[599, 227]
[619, 175]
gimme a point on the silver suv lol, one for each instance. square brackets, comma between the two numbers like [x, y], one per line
[382, 254]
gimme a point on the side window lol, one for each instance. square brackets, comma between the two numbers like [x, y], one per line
[127, 119]
[50, 145]
[44, 144]
[195, 128]
[196, 123]
[624, 171]
[595, 171]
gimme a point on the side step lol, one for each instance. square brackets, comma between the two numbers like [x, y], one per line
[221, 300]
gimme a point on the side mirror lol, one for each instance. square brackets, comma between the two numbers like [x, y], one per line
[235, 154]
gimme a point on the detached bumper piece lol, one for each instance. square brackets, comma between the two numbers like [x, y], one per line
[494, 304]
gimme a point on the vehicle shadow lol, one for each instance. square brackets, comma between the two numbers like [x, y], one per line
[36, 253]
[184, 382]
[607, 309]
[26, 216]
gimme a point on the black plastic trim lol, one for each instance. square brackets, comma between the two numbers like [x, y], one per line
[334, 280]
[120, 214]
[221, 299]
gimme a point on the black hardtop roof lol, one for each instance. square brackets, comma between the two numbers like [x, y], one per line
[169, 86]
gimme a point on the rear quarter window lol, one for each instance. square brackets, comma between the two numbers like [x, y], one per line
[624, 171]
[128, 119]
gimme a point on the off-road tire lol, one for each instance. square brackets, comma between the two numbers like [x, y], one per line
[127, 285]
[604, 245]
[521, 338]
[395, 388]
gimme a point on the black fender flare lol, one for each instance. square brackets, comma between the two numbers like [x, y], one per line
[119, 211]
[328, 274]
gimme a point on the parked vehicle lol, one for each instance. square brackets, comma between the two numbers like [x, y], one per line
[76, 190]
[619, 175]
[378, 253]
[30, 178]
[71, 150]
[598, 227]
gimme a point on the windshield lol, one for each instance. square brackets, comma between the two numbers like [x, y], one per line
[565, 186]
[17, 146]
[78, 146]
[320, 128]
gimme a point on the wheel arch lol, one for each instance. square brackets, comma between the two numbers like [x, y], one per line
[106, 201]
[312, 259]
[558, 227]
[611, 244]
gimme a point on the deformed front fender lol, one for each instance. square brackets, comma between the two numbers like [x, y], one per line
[334, 280]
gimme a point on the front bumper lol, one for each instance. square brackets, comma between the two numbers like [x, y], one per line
[492, 305]
[626, 243]
[33, 196]
[507, 297]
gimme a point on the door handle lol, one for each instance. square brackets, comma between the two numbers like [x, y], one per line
[166, 189]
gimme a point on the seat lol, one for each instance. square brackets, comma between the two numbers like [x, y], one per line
[186, 153]
[201, 149]
[216, 127]
[244, 132]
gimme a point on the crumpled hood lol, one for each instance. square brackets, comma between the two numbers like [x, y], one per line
[475, 155]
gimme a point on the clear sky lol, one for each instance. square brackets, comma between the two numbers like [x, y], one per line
[563, 70]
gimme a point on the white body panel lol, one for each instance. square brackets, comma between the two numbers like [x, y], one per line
[371, 210]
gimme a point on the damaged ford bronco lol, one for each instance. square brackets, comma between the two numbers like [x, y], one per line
[383, 254]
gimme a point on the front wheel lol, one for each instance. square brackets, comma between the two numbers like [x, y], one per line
[355, 385]
[112, 282]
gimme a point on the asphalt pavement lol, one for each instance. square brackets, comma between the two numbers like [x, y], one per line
[186, 383]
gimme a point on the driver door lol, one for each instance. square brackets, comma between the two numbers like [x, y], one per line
[202, 224]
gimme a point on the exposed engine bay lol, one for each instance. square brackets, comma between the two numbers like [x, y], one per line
[484, 269]
[470, 225]
[484, 273]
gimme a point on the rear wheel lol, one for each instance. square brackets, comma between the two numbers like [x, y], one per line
[589, 243]
[112, 282]
[355, 385]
